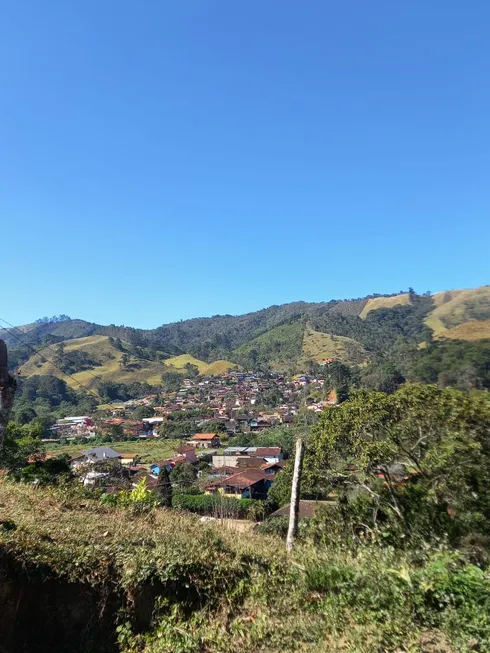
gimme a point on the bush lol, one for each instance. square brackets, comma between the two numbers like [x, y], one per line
[212, 504]
[275, 526]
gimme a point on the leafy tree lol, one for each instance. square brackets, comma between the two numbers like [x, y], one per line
[164, 488]
[171, 380]
[416, 462]
[183, 475]
[192, 371]
[142, 412]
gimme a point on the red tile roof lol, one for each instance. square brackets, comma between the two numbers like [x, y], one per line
[204, 436]
[243, 479]
[268, 451]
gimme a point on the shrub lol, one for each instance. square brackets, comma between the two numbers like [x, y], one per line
[211, 504]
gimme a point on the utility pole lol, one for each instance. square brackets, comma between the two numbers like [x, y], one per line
[295, 490]
[7, 390]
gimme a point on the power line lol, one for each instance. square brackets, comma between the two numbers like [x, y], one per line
[26, 344]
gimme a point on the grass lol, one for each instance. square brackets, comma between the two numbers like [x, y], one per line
[470, 331]
[108, 357]
[384, 302]
[456, 307]
[211, 369]
[211, 590]
[317, 345]
[149, 451]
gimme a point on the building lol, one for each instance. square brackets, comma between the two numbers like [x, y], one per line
[236, 456]
[207, 440]
[249, 484]
[95, 455]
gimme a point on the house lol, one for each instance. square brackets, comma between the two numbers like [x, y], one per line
[151, 481]
[249, 484]
[259, 424]
[271, 469]
[233, 456]
[157, 467]
[95, 455]
[271, 454]
[207, 440]
[250, 461]
[189, 453]
[128, 458]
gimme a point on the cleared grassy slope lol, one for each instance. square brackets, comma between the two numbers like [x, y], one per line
[384, 302]
[207, 369]
[109, 368]
[470, 331]
[317, 345]
[456, 307]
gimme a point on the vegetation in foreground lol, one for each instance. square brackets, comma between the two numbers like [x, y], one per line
[216, 592]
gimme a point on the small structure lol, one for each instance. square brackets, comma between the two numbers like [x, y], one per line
[95, 455]
[207, 440]
[249, 484]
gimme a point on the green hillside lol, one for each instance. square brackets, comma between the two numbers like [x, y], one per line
[350, 330]
[103, 360]
[456, 307]
[206, 369]
[279, 347]
[317, 346]
[384, 302]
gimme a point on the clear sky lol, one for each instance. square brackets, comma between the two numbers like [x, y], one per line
[166, 159]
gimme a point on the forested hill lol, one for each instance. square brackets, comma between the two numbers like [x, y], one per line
[377, 330]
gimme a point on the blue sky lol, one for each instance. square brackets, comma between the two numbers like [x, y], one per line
[163, 160]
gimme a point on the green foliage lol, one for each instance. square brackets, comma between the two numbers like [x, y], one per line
[464, 365]
[46, 471]
[164, 488]
[280, 345]
[172, 380]
[184, 474]
[220, 593]
[276, 526]
[139, 499]
[142, 412]
[412, 464]
[216, 505]
[21, 443]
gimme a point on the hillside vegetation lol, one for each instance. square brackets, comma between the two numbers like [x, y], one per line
[103, 360]
[469, 331]
[458, 307]
[206, 369]
[384, 302]
[317, 346]
[283, 338]
[84, 578]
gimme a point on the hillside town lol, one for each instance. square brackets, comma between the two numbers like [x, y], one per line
[203, 418]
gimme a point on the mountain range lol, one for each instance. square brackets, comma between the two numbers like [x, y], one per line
[288, 337]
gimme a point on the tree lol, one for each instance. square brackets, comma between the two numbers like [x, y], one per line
[143, 412]
[124, 360]
[171, 380]
[183, 475]
[192, 371]
[164, 488]
[7, 392]
[414, 463]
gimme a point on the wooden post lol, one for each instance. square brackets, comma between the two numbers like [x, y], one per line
[7, 390]
[295, 490]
